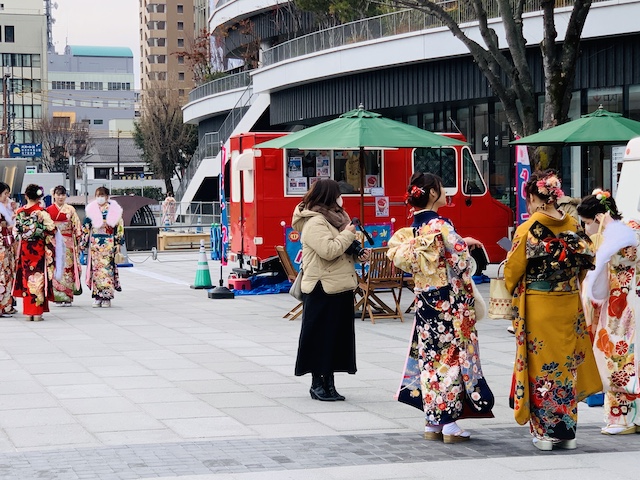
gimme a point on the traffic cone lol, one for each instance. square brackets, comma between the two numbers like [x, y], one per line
[203, 277]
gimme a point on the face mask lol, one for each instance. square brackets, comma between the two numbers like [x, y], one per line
[101, 200]
[592, 228]
[339, 201]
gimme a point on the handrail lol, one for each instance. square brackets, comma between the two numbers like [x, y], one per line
[387, 25]
[209, 145]
[219, 85]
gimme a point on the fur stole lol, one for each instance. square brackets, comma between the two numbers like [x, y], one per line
[616, 236]
[114, 214]
[7, 213]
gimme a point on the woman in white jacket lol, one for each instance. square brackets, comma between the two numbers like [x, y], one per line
[327, 337]
[611, 307]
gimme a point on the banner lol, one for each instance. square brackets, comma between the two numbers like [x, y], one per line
[523, 171]
[224, 218]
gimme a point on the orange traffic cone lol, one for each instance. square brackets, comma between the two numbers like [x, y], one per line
[203, 277]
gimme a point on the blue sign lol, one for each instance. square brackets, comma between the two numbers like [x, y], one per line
[380, 234]
[26, 150]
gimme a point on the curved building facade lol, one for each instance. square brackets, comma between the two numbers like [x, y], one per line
[408, 68]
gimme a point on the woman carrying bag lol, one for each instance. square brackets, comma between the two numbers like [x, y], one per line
[327, 337]
[554, 367]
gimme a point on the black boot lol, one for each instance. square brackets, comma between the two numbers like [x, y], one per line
[318, 391]
[330, 387]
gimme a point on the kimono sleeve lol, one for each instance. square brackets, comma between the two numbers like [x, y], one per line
[118, 233]
[456, 250]
[516, 265]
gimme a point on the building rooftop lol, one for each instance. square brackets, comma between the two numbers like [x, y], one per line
[105, 150]
[93, 51]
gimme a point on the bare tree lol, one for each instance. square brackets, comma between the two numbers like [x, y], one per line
[61, 139]
[166, 142]
[505, 65]
[204, 56]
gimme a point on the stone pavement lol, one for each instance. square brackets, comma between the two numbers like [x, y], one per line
[171, 384]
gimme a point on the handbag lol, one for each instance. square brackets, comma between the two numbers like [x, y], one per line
[499, 297]
[77, 290]
[296, 289]
[119, 258]
[480, 305]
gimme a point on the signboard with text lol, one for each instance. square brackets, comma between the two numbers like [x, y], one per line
[26, 150]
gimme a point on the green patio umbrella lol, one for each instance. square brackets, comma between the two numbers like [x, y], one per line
[598, 128]
[360, 129]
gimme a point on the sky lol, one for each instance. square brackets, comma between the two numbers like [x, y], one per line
[111, 23]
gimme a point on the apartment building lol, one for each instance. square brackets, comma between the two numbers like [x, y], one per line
[23, 41]
[92, 85]
[166, 28]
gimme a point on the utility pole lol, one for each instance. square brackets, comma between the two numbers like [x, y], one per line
[118, 153]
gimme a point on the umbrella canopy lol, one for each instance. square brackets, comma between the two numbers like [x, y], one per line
[360, 128]
[598, 128]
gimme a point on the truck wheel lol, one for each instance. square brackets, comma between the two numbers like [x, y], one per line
[478, 261]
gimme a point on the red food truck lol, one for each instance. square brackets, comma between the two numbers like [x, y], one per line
[266, 185]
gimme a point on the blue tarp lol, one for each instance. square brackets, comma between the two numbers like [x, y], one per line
[282, 287]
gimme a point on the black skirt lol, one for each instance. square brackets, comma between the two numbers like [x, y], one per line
[327, 337]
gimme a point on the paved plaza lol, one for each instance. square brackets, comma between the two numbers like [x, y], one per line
[171, 384]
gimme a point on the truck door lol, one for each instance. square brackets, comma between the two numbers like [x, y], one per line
[442, 162]
[243, 195]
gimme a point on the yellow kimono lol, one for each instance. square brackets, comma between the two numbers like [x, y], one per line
[554, 367]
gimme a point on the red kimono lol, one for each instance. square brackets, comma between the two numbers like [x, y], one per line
[35, 263]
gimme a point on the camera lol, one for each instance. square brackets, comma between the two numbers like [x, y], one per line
[355, 249]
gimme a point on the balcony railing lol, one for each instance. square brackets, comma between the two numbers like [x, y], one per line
[388, 25]
[219, 85]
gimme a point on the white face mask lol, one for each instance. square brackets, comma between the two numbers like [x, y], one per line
[101, 200]
[339, 201]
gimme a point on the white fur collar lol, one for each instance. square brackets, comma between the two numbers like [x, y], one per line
[114, 214]
[616, 236]
[7, 213]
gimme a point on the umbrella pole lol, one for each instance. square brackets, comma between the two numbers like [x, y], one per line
[361, 165]
[602, 165]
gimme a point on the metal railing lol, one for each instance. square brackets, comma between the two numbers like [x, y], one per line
[219, 85]
[209, 145]
[189, 216]
[388, 25]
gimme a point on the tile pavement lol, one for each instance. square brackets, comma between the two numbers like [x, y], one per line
[170, 384]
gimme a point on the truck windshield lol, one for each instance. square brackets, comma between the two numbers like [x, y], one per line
[472, 183]
[441, 161]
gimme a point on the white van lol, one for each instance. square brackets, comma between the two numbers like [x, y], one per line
[628, 194]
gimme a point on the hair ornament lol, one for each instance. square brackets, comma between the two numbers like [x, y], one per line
[39, 192]
[414, 192]
[602, 196]
[551, 187]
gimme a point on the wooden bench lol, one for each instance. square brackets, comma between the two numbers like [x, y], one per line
[181, 240]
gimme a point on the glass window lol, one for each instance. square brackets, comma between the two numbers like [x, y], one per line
[634, 102]
[101, 173]
[609, 98]
[180, 60]
[98, 122]
[304, 167]
[180, 8]
[26, 60]
[9, 34]
[37, 111]
[181, 76]
[180, 25]
[441, 161]
[472, 183]
[181, 42]
[35, 60]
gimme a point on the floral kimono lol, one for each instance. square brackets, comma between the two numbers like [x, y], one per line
[612, 306]
[102, 232]
[554, 367]
[442, 375]
[35, 267]
[7, 259]
[68, 224]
